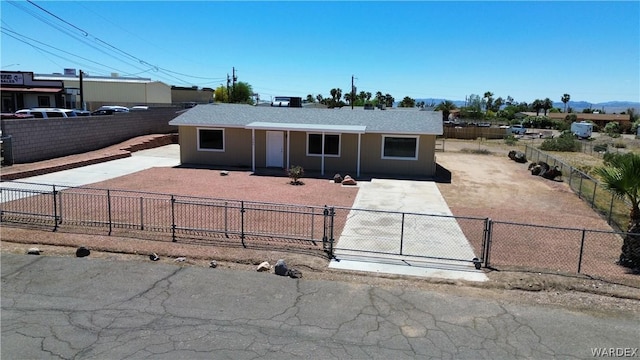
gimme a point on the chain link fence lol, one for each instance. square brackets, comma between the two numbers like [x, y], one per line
[612, 208]
[334, 230]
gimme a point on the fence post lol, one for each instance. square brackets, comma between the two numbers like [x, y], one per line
[593, 198]
[570, 177]
[580, 187]
[55, 209]
[109, 209]
[242, 210]
[313, 217]
[332, 213]
[581, 251]
[141, 213]
[401, 233]
[173, 219]
[226, 219]
[487, 248]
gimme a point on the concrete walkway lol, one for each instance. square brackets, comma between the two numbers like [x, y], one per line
[420, 245]
[166, 156]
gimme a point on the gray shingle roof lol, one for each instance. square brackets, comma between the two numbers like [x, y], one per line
[397, 121]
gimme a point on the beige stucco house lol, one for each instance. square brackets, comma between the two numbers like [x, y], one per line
[398, 142]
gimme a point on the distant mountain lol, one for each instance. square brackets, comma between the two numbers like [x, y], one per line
[609, 107]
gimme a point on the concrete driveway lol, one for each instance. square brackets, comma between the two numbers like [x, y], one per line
[432, 246]
[88, 308]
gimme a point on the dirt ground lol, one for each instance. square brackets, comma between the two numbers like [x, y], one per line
[481, 185]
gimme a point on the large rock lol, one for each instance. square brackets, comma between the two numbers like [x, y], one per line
[337, 178]
[33, 251]
[264, 266]
[348, 180]
[82, 252]
[281, 268]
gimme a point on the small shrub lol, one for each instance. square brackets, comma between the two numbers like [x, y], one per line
[600, 148]
[619, 145]
[510, 139]
[476, 151]
[565, 142]
[295, 173]
[613, 129]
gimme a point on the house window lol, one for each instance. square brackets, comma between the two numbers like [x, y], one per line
[400, 147]
[44, 101]
[331, 144]
[211, 139]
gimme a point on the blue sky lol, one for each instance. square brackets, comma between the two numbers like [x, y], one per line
[527, 50]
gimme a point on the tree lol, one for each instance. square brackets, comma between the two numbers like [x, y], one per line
[537, 105]
[241, 93]
[565, 99]
[621, 176]
[407, 102]
[388, 100]
[221, 95]
[488, 97]
[446, 107]
[546, 105]
[310, 99]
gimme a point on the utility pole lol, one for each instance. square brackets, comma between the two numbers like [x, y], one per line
[81, 92]
[353, 92]
[234, 78]
[228, 82]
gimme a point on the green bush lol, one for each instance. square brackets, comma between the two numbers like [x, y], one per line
[619, 145]
[565, 142]
[510, 139]
[295, 173]
[613, 129]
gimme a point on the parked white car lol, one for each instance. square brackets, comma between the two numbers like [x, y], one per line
[48, 113]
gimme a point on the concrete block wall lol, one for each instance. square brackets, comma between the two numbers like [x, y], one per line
[43, 139]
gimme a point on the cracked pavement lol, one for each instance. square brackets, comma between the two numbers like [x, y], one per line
[85, 308]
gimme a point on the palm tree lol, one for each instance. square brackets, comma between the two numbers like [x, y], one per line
[546, 105]
[446, 107]
[565, 99]
[621, 176]
[537, 105]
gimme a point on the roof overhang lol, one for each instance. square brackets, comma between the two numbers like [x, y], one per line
[349, 129]
[32, 90]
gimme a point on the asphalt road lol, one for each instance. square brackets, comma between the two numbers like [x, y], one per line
[86, 308]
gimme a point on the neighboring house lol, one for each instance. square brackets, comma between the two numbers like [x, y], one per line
[601, 120]
[345, 141]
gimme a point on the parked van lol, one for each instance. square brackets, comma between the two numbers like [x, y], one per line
[48, 113]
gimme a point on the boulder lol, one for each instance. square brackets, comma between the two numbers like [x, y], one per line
[154, 257]
[294, 273]
[281, 268]
[265, 266]
[180, 259]
[33, 251]
[224, 173]
[348, 180]
[337, 178]
[82, 252]
[213, 264]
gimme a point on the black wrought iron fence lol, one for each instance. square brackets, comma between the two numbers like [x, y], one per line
[176, 215]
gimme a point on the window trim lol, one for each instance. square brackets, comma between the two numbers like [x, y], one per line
[325, 134]
[224, 143]
[414, 158]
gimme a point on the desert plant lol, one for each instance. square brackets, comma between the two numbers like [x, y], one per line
[295, 173]
[619, 145]
[613, 129]
[565, 142]
[510, 139]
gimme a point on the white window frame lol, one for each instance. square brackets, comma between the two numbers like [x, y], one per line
[224, 143]
[325, 134]
[399, 157]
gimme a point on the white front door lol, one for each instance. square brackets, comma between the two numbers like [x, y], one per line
[275, 149]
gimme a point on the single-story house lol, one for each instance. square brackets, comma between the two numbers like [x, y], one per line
[599, 119]
[398, 142]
